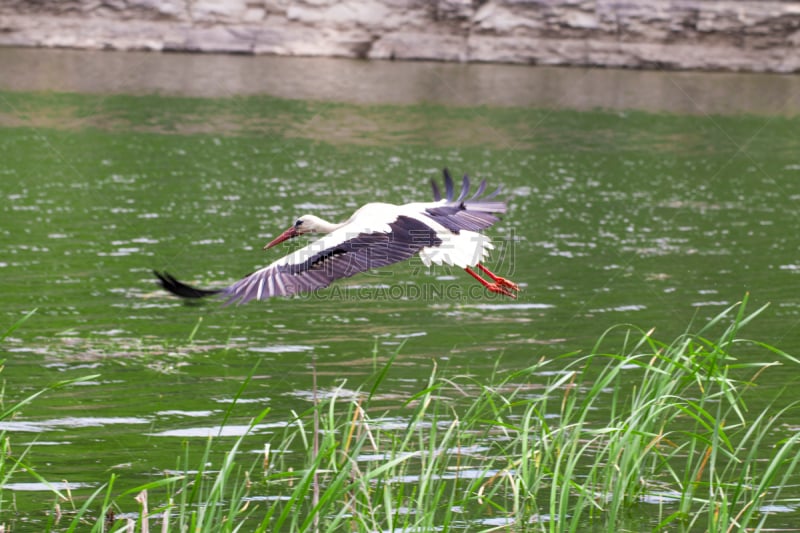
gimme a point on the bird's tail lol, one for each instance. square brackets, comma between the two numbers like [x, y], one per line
[181, 289]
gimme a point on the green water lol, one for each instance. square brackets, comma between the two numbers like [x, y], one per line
[658, 220]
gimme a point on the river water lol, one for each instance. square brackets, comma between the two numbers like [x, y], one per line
[652, 198]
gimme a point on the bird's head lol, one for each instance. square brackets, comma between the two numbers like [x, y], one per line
[304, 224]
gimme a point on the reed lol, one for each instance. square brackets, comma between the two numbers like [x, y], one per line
[635, 435]
[13, 464]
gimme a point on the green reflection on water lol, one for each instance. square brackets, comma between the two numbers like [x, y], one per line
[617, 217]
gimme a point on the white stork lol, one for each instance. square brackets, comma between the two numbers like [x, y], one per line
[445, 231]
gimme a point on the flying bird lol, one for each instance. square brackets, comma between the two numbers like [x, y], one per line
[445, 231]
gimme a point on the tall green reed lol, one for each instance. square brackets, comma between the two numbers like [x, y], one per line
[13, 464]
[636, 434]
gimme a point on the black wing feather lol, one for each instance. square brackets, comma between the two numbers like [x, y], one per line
[448, 185]
[475, 214]
[481, 188]
[464, 189]
[437, 195]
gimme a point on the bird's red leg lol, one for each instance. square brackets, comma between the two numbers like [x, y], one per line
[502, 282]
[494, 287]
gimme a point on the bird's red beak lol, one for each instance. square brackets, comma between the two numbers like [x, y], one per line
[285, 236]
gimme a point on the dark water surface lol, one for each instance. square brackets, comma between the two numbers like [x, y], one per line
[661, 209]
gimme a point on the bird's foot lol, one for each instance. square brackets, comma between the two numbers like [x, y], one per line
[503, 282]
[499, 288]
[500, 282]
[498, 285]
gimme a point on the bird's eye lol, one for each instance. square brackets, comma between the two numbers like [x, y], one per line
[298, 223]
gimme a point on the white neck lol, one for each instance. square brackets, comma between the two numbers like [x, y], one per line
[319, 225]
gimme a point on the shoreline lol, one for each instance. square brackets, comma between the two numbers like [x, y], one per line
[725, 35]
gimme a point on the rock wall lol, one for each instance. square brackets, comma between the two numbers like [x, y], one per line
[752, 35]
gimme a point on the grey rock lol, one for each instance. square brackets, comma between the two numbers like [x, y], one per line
[746, 35]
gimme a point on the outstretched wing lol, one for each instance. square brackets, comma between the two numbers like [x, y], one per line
[340, 254]
[474, 213]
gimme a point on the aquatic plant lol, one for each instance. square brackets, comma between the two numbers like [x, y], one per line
[637, 434]
[12, 463]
